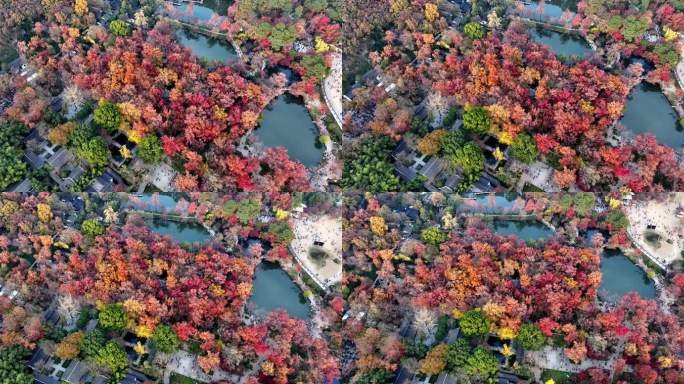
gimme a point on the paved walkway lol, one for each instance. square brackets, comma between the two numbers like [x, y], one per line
[185, 363]
[332, 88]
[554, 358]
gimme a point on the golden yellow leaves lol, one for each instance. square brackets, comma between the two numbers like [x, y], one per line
[133, 308]
[396, 6]
[249, 119]
[244, 290]
[281, 214]
[498, 154]
[125, 152]
[670, 34]
[267, 368]
[506, 333]
[44, 212]
[377, 225]
[613, 202]
[664, 362]
[139, 348]
[506, 138]
[386, 254]
[431, 12]
[143, 331]
[167, 76]
[81, 7]
[217, 290]
[431, 143]
[220, 114]
[321, 46]
[493, 311]
[159, 266]
[74, 32]
[135, 136]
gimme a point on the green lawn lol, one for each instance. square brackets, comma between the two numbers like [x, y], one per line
[180, 379]
[559, 377]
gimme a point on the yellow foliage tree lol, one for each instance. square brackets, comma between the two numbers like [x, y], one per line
[448, 221]
[498, 155]
[435, 360]
[70, 346]
[133, 307]
[506, 350]
[281, 214]
[81, 7]
[144, 331]
[377, 225]
[431, 12]
[267, 368]
[44, 212]
[670, 34]
[396, 6]
[431, 143]
[505, 138]
[135, 136]
[665, 362]
[139, 348]
[321, 46]
[74, 32]
[125, 152]
[506, 333]
[60, 134]
[140, 19]
[614, 203]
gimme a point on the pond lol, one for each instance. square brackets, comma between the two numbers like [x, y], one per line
[523, 229]
[210, 9]
[182, 232]
[273, 289]
[159, 202]
[207, 48]
[286, 123]
[550, 10]
[649, 111]
[493, 203]
[566, 44]
[621, 276]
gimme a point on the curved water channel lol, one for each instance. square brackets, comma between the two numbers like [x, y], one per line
[272, 288]
[287, 123]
